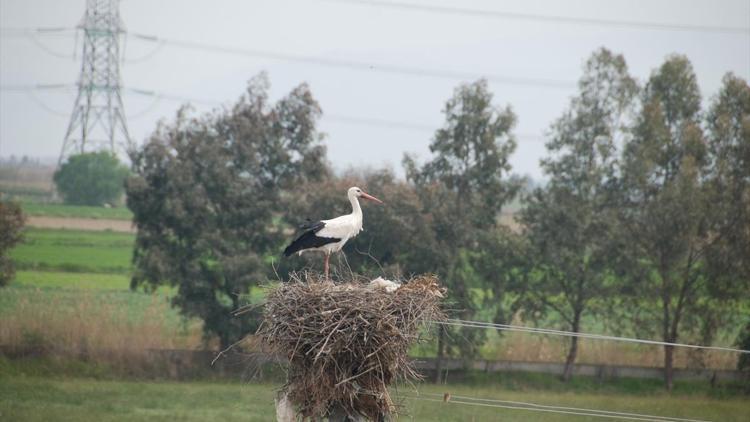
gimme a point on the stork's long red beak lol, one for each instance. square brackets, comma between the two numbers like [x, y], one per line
[371, 198]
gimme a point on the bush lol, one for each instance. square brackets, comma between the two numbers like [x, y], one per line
[94, 178]
[11, 224]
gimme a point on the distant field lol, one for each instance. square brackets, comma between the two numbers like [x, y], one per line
[37, 399]
[76, 211]
[18, 191]
[65, 280]
[91, 320]
[74, 251]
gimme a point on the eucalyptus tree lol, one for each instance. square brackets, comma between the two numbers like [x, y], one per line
[727, 248]
[728, 181]
[569, 223]
[462, 188]
[666, 207]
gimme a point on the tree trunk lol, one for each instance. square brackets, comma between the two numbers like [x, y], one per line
[668, 367]
[440, 352]
[573, 351]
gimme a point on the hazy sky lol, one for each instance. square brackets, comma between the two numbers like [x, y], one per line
[463, 43]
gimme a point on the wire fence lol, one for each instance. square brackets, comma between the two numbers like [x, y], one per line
[546, 331]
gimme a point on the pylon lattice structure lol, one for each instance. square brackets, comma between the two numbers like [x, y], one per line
[98, 118]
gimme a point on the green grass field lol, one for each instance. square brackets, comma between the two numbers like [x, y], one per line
[74, 251]
[29, 398]
[75, 211]
[76, 281]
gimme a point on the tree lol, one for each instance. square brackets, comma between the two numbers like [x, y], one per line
[11, 233]
[667, 211]
[93, 178]
[463, 188]
[569, 222]
[728, 184]
[206, 194]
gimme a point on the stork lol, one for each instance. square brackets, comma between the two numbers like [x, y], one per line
[329, 236]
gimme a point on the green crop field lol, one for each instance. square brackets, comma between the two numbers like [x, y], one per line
[76, 211]
[30, 398]
[74, 251]
[67, 280]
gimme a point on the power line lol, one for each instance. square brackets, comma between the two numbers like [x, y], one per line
[356, 65]
[494, 14]
[35, 87]
[98, 116]
[517, 328]
[337, 118]
[421, 127]
[41, 30]
[356, 120]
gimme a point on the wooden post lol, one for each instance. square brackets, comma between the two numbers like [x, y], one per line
[284, 410]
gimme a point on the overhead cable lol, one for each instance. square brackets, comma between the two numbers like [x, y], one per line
[357, 65]
[572, 20]
[517, 328]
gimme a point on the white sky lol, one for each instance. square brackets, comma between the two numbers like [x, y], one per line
[376, 35]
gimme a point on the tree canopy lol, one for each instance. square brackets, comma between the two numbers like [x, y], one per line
[205, 195]
[92, 178]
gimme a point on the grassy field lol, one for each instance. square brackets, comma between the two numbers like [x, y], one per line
[74, 251]
[73, 270]
[76, 211]
[71, 297]
[75, 281]
[86, 261]
[92, 321]
[29, 398]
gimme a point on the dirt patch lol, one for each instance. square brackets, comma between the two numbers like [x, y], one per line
[122, 226]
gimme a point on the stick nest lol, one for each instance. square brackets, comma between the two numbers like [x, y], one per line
[346, 343]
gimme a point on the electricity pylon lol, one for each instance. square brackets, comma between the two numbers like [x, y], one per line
[98, 118]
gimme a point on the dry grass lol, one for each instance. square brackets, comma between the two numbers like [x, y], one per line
[346, 343]
[82, 325]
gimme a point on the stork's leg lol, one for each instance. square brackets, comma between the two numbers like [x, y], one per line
[325, 266]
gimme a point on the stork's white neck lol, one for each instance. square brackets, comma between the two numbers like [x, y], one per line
[356, 209]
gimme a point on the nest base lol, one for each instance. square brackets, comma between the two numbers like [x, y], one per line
[347, 343]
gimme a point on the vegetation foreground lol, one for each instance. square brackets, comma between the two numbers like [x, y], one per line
[32, 398]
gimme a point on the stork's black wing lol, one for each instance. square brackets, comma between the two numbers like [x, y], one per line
[313, 226]
[309, 239]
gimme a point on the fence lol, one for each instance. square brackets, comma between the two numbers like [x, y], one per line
[189, 364]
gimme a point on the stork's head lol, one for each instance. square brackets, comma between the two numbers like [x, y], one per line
[355, 192]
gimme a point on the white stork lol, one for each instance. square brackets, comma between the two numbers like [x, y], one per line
[329, 236]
